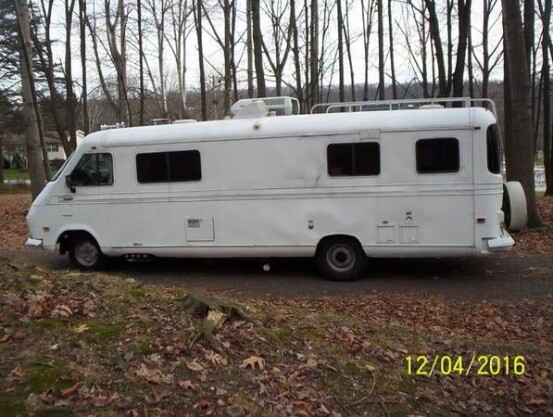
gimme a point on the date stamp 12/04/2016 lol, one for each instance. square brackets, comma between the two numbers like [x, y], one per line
[475, 365]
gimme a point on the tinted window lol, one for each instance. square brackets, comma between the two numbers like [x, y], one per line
[353, 159]
[93, 170]
[437, 155]
[168, 167]
[493, 149]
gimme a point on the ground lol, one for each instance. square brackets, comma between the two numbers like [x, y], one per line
[415, 337]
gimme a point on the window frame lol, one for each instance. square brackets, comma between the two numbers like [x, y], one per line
[353, 159]
[441, 171]
[495, 158]
[167, 165]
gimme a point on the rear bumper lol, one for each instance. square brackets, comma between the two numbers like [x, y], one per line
[502, 243]
[32, 243]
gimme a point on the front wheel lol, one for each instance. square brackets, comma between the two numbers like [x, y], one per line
[341, 259]
[85, 253]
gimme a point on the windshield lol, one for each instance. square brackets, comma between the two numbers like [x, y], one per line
[62, 168]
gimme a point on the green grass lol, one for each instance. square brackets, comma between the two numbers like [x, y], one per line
[16, 174]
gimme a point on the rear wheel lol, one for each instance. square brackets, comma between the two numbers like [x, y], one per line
[85, 253]
[341, 259]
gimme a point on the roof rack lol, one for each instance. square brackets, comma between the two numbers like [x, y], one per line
[424, 103]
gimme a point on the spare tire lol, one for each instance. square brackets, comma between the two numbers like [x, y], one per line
[514, 206]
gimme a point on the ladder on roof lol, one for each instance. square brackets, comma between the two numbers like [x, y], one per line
[405, 104]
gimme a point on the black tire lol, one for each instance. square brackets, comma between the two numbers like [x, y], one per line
[85, 253]
[341, 259]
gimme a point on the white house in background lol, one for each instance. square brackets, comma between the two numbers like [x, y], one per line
[14, 147]
[55, 149]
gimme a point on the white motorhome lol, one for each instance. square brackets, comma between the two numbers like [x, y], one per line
[420, 179]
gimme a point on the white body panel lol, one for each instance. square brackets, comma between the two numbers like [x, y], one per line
[265, 190]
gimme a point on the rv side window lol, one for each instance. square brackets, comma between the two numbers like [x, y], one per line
[353, 159]
[177, 166]
[92, 170]
[440, 155]
[493, 150]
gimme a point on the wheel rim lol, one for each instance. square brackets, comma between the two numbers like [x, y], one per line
[340, 258]
[86, 253]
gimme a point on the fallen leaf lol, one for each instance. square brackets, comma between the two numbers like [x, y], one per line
[71, 390]
[217, 359]
[195, 366]
[187, 385]
[253, 362]
[80, 328]
[312, 362]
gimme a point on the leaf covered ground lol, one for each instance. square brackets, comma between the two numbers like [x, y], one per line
[92, 344]
[97, 345]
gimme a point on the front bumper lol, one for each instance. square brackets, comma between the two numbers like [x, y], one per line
[33, 243]
[502, 243]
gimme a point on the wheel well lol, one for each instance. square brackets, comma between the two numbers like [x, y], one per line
[65, 239]
[330, 237]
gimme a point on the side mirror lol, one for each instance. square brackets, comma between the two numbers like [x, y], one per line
[69, 183]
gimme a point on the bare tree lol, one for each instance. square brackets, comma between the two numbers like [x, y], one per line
[179, 13]
[158, 10]
[258, 48]
[116, 26]
[281, 33]
[48, 68]
[226, 43]
[414, 15]
[519, 149]
[249, 46]
[71, 99]
[140, 63]
[199, 37]
[381, 63]
[491, 54]
[545, 12]
[37, 171]
[464, 10]
[298, 89]
[391, 46]
[367, 16]
[82, 32]
[314, 59]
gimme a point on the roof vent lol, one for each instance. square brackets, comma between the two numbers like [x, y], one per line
[249, 109]
[281, 106]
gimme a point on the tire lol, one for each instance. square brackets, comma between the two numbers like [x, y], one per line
[514, 206]
[340, 259]
[85, 253]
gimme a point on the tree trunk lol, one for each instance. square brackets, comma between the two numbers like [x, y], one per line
[392, 58]
[37, 172]
[71, 101]
[464, 8]
[341, 86]
[314, 53]
[546, 74]
[520, 152]
[258, 49]
[82, 28]
[381, 88]
[141, 97]
[199, 30]
[439, 51]
[296, 52]
[249, 46]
